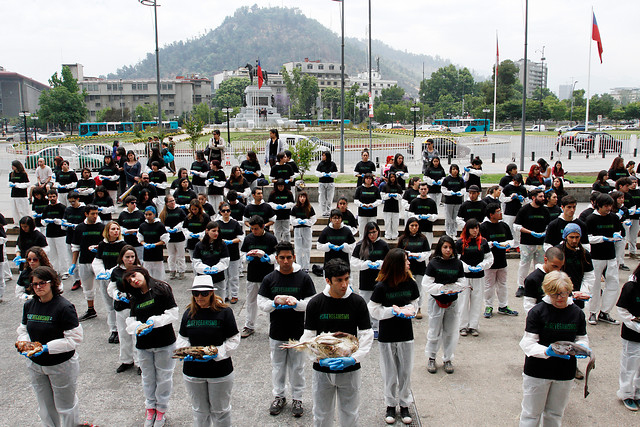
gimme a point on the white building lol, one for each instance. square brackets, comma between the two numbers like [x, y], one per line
[536, 75]
[626, 95]
[377, 83]
[565, 92]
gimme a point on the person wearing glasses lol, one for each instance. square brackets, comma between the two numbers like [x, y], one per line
[51, 320]
[35, 257]
[548, 377]
[232, 236]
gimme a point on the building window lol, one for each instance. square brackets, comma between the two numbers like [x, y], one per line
[92, 113]
[171, 104]
[309, 66]
[335, 83]
[98, 104]
[320, 67]
[331, 67]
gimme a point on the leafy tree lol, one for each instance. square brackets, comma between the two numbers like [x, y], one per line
[509, 86]
[557, 109]
[303, 154]
[194, 130]
[631, 111]
[446, 80]
[392, 95]
[230, 93]
[578, 99]
[381, 112]
[147, 112]
[601, 105]
[113, 114]
[202, 112]
[63, 104]
[302, 89]
[331, 98]
[617, 114]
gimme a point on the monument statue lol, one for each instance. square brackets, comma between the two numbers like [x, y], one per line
[254, 72]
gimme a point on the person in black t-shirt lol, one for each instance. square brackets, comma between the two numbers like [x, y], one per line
[512, 197]
[56, 236]
[209, 321]
[548, 377]
[473, 173]
[259, 207]
[232, 236]
[216, 180]
[199, 170]
[281, 202]
[327, 171]
[302, 217]
[433, 176]
[363, 167]
[444, 269]
[282, 170]
[211, 257]
[394, 303]
[577, 263]
[172, 217]
[629, 309]
[52, 321]
[533, 293]
[284, 293]
[512, 170]
[153, 310]
[19, 183]
[418, 248]
[153, 236]
[453, 190]
[472, 208]
[391, 195]
[499, 237]
[632, 202]
[367, 199]
[556, 227]
[337, 309]
[493, 195]
[348, 219]
[551, 204]
[425, 209]
[336, 239]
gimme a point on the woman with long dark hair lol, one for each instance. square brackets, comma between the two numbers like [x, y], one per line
[153, 236]
[274, 146]
[418, 249]
[194, 225]
[39, 203]
[54, 369]
[232, 236]
[617, 170]
[19, 183]
[327, 171]
[172, 217]
[182, 173]
[602, 183]
[302, 218]
[238, 183]
[443, 281]
[153, 310]
[476, 256]
[132, 169]
[394, 303]
[558, 187]
[34, 257]
[28, 236]
[66, 181]
[434, 177]
[110, 176]
[399, 168]
[391, 195]
[367, 199]
[453, 189]
[209, 380]
[367, 257]
[363, 167]
[557, 171]
[102, 199]
[155, 157]
[199, 171]
[545, 171]
[183, 194]
[211, 257]
[250, 167]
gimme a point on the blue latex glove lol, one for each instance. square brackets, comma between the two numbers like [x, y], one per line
[121, 296]
[549, 352]
[466, 169]
[301, 221]
[210, 270]
[153, 183]
[210, 180]
[45, 349]
[192, 173]
[333, 247]
[620, 212]
[632, 211]
[412, 257]
[100, 208]
[628, 223]
[367, 207]
[149, 329]
[47, 221]
[149, 245]
[72, 269]
[104, 276]
[249, 258]
[12, 184]
[183, 206]
[372, 265]
[194, 235]
[339, 248]
[94, 250]
[521, 198]
[456, 193]
[607, 239]
[439, 182]
[265, 258]
[617, 236]
[280, 207]
[172, 230]
[582, 356]
[37, 215]
[283, 306]
[400, 315]
[475, 269]
[337, 363]
[538, 235]
[500, 245]
[18, 260]
[205, 358]
[227, 242]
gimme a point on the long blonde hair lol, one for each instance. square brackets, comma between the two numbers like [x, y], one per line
[216, 302]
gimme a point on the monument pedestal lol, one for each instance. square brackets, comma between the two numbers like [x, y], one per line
[260, 112]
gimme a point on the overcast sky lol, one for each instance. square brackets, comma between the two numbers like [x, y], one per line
[103, 35]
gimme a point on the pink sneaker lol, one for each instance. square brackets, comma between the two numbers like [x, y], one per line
[160, 419]
[151, 416]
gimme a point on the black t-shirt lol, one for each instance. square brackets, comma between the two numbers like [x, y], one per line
[299, 213]
[632, 200]
[602, 188]
[576, 263]
[103, 202]
[473, 179]
[281, 198]
[498, 232]
[54, 212]
[263, 210]
[327, 314]
[158, 177]
[256, 269]
[554, 324]
[616, 174]
[362, 168]
[471, 209]
[17, 177]
[488, 200]
[349, 219]
[585, 214]
[326, 167]
[229, 231]
[208, 327]
[66, 178]
[27, 240]
[283, 171]
[421, 206]
[238, 186]
[116, 276]
[211, 255]
[534, 181]
[38, 206]
[598, 225]
[173, 218]
[557, 226]
[473, 255]
[184, 197]
[505, 180]
[248, 166]
[554, 212]
[410, 194]
[287, 324]
[512, 207]
[416, 244]
[195, 225]
[219, 176]
[393, 203]
[630, 300]
[237, 211]
[47, 322]
[444, 272]
[110, 170]
[395, 329]
[153, 303]
[401, 169]
[435, 174]
[337, 237]
[534, 219]
[109, 253]
[86, 183]
[86, 235]
[455, 184]
[151, 233]
[131, 221]
[367, 195]
[533, 285]
[377, 252]
[74, 216]
[197, 166]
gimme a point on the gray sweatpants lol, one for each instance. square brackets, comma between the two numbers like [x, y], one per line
[396, 363]
[629, 370]
[632, 236]
[128, 352]
[607, 300]
[450, 224]
[108, 302]
[302, 244]
[231, 279]
[157, 376]
[366, 295]
[252, 304]
[496, 285]
[285, 361]
[55, 387]
[210, 400]
[326, 190]
[470, 303]
[543, 399]
[281, 230]
[443, 329]
[88, 278]
[326, 388]
[176, 257]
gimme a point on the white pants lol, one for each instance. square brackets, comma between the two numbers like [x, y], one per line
[543, 400]
[231, 279]
[509, 220]
[127, 341]
[252, 304]
[326, 190]
[362, 222]
[200, 189]
[159, 201]
[155, 268]
[112, 193]
[88, 278]
[62, 198]
[607, 300]
[215, 200]
[157, 376]
[108, 302]
[470, 302]
[283, 362]
[176, 257]
[326, 388]
[21, 209]
[619, 246]
[2, 282]
[139, 251]
[632, 236]
[443, 329]
[281, 230]
[436, 197]
[302, 245]
[396, 363]
[210, 400]
[391, 223]
[450, 224]
[429, 236]
[496, 284]
[366, 296]
[629, 370]
[59, 254]
[6, 270]
[55, 387]
[418, 279]
[529, 254]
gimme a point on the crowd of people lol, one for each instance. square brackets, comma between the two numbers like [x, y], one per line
[74, 228]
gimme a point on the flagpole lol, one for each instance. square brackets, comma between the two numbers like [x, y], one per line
[342, 95]
[524, 85]
[586, 118]
[495, 83]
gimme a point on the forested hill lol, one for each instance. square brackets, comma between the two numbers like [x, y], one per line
[277, 35]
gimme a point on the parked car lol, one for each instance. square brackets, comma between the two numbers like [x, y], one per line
[577, 128]
[76, 158]
[585, 142]
[292, 139]
[97, 149]
[445, 145]
[506, 128]
[629, 127]
[607, 127]
[536, 128]
[564, 128]
[54, 135]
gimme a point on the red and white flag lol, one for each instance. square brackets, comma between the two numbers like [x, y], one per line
[595, 35]
[260, 78]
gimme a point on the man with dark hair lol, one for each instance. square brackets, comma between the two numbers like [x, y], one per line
[285, 293]
[86, 238]
[292, 164]
[260, 208]
[144, 184]
[592, 200]
[237, 207]
[216, 180]
[557, 226]
[426, 210]
[158, 180]
[499, 236]
[338, 309]
[282, 170]
[259, 249]
[336, 239]
[512, 169]
[531, 222]
[472, 208]
[533, 294]
[130, 219]
[73, 215]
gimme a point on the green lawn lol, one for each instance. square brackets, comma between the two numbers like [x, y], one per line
[491, 178]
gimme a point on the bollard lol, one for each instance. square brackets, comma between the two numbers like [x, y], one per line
[569, 157]
[551, 155]
[471, 158]
[378, 162]
[533, 156]
[603, 153]
[587, 154]
[635, 152]
[449, 159]
[493, 157]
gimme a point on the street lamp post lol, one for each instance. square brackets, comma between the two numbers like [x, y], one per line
[35, 127]
[541, 87]
[25, 114]
[485, 111]
[228, 110]
[415, 110]
[154, 3]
